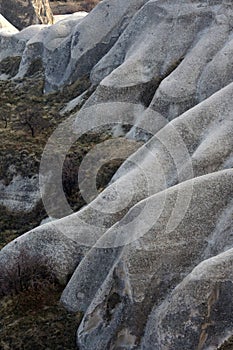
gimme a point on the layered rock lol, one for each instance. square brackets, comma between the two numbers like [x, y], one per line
[151, 255]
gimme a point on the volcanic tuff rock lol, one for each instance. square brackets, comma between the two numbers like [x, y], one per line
[24, 13]
[21, 195]
[153, 250]
[69, 51]
[16, 46]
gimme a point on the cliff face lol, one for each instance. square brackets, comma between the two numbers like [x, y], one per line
[24, 13]
[151, 255]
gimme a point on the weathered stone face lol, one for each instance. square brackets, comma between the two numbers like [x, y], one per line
[23, 13]
[157, 274]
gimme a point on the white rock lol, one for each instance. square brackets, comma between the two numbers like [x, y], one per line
[21, 195]
[77, 15]
[6, 26]
[154, 249]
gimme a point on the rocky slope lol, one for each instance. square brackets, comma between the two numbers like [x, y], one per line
[151, 255]
[24, 13]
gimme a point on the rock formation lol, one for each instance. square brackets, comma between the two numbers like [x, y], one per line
[24, 13]
[6, 25]
[151, 255]
[21, 195]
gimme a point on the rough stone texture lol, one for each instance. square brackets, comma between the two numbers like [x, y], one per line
[144, 272]
[70, 51]
[15, 46]
[24, 13]
[155, 247]
[46, 246]
[45, 45]
[202, 305]
[21, 195]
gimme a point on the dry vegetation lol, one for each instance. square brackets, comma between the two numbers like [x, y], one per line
[32, 317]
[228, 345]
[27, 119]
[33, 320]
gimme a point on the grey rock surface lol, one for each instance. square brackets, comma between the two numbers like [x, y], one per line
[21, 13]
[11, 46]
[151, 255]
[71, 48]
[144, 273]
[46, 246]
[22, 194]
[202, 304]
